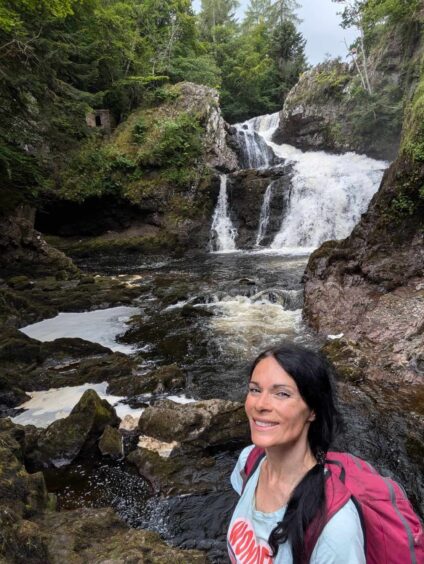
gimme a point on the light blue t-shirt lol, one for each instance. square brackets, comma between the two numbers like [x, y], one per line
[341, 540]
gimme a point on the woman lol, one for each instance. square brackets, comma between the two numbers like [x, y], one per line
[292, 415]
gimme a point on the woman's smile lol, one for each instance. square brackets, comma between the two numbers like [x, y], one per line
[264, 425]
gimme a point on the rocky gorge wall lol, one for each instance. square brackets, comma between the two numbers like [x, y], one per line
[368, 290]
[330, 110]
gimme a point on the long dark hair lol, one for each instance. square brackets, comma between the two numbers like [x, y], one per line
[314, 378]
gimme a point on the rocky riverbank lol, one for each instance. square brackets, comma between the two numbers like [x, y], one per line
[32, 531]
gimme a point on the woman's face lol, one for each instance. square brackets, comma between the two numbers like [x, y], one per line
[277, 413]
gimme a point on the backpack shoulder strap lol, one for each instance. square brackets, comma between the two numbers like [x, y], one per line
[336, 494]
[252, 462]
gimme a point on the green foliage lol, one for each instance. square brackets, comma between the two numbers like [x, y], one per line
[139, 130]
[20, 175]
[177, 142]
[402, 205]
[394, 11]
[377, 113]
[413, 133]
[201, 69]
[332, 80]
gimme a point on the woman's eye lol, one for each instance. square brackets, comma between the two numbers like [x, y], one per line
[254, 390]
[282, 394]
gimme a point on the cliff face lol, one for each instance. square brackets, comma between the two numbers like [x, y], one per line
[329, 110]
[370, 286]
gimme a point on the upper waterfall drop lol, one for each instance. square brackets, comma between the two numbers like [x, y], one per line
[328, 194]
[223, 232]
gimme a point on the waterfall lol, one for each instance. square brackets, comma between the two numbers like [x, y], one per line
[328, 194]
[223, 232]
[264, 216]
[256, 152]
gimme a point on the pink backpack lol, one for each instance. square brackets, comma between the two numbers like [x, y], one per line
[392, 531]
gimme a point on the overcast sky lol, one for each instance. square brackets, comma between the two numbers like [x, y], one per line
[320, 27]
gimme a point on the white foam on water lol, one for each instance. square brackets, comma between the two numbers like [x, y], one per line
[240, 321]
[181, 399]
[56, 403]
[99, 326]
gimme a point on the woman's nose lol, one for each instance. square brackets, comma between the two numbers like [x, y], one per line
[262, 401]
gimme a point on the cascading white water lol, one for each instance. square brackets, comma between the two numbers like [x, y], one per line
[257, 153]
[223, 232]
[329, 192]
[264, 216]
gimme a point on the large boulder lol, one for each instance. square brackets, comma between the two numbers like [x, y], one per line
[191, 473]
[65, 438]
[23, 496]
[196, 425]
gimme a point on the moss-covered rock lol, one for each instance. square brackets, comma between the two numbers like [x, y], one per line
[110, 443]
[32, 531]
[350, 362]
[48, 295]
[64, 439]
[330, 109]
[98, 535]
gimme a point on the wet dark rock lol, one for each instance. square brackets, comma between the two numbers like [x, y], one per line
[199, 425]
[164, 378]
[246, 191]
[24, 253]
[111, 443]
[49, 295]
[191, 311]
[351, 363]
[64, 439]
[188, 473]
[30, 365]
[31, 531]
[15, 346]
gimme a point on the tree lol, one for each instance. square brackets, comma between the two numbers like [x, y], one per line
[216, 13]
[353, 16]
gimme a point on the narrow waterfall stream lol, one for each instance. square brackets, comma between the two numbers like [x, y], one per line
[223, 232]
[264, 215]
[211, 314]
